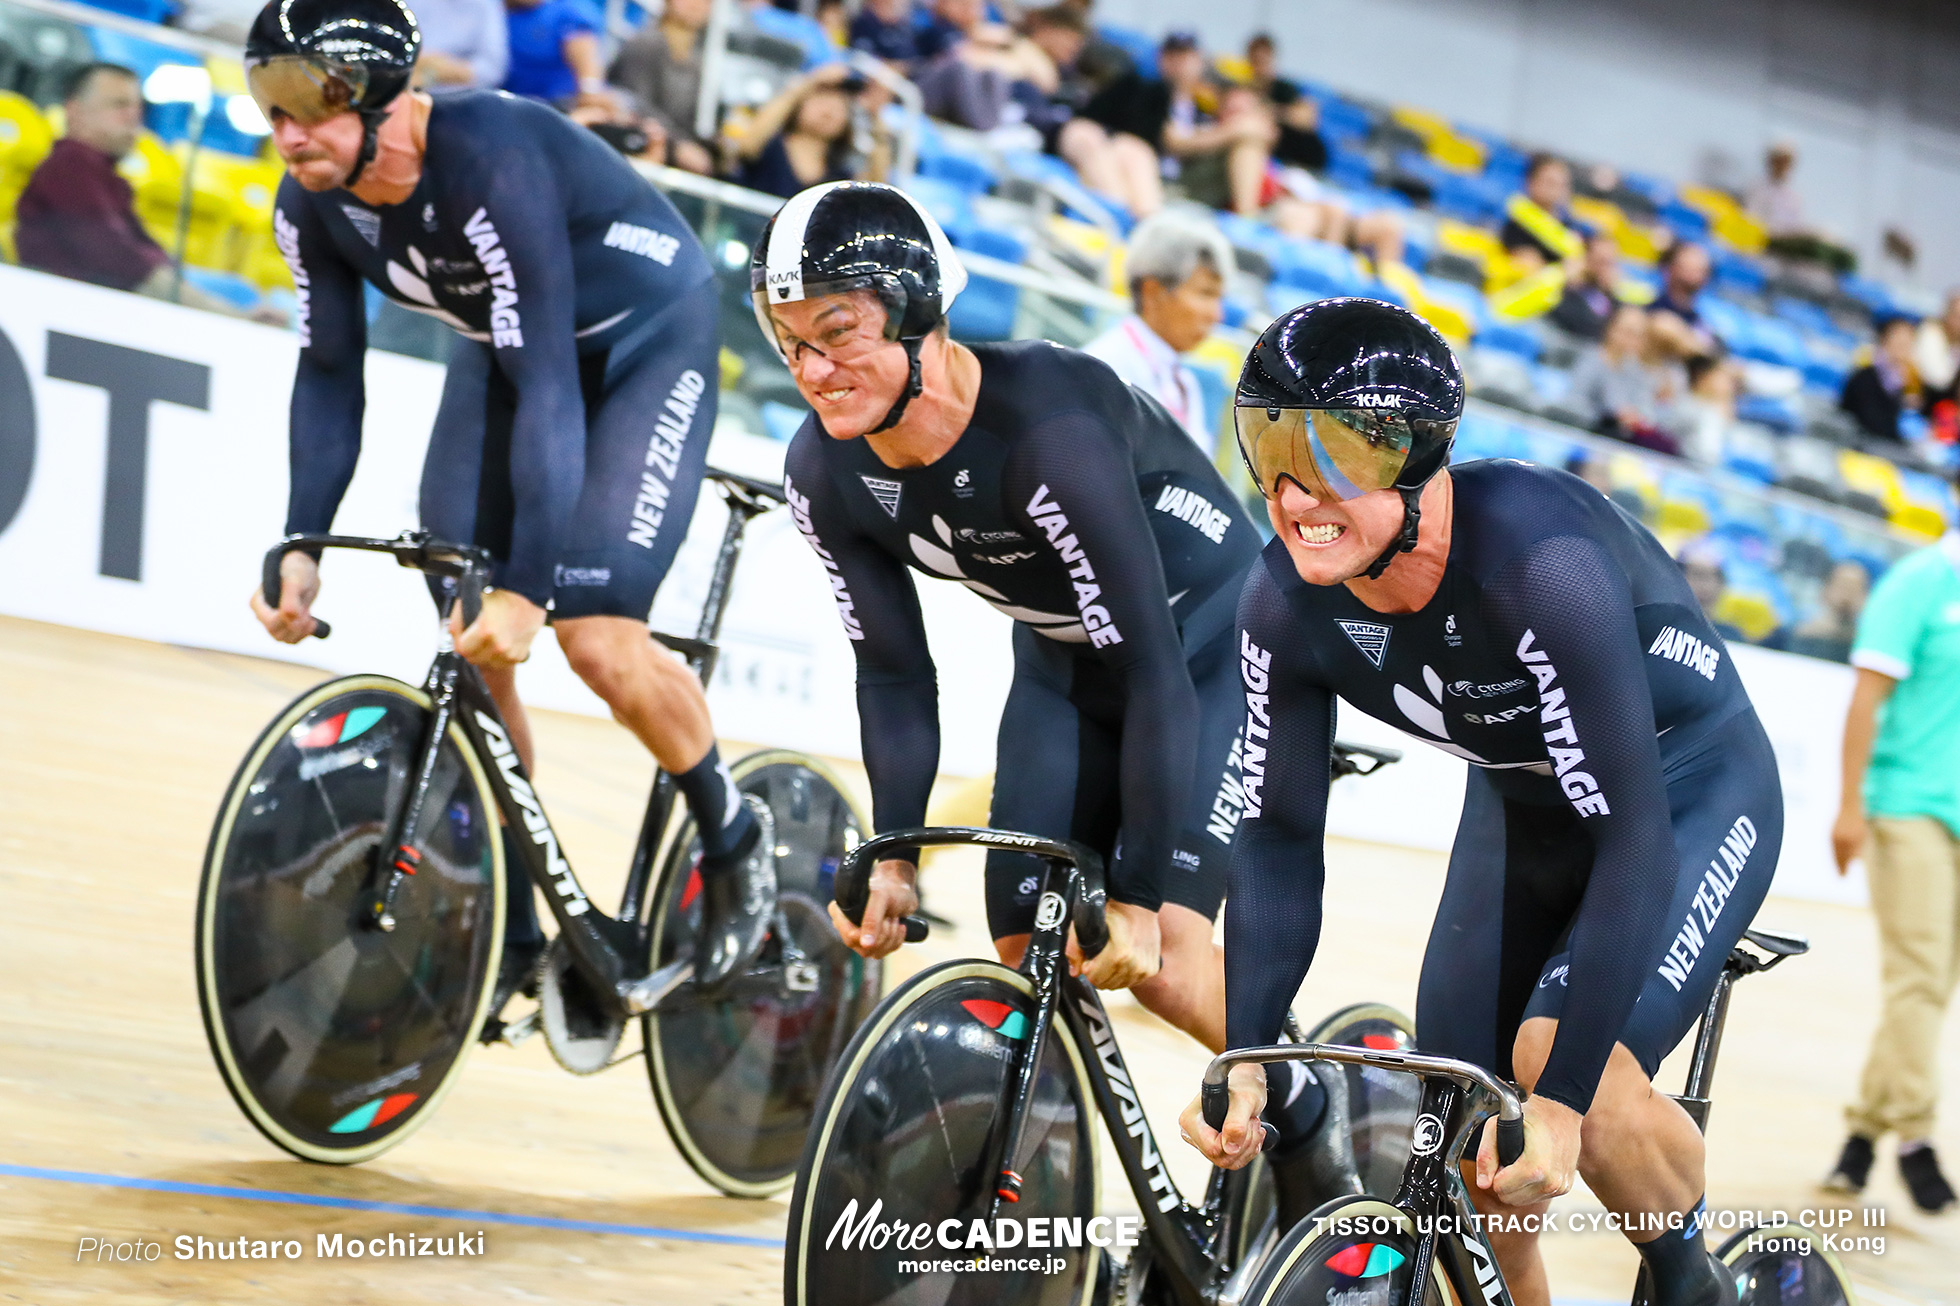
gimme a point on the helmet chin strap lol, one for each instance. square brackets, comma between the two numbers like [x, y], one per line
[1405, 540]
[914, 386]
[371, 120]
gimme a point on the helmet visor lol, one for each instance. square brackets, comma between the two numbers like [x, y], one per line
[307, 90]
[1332, 453]
[855, 325]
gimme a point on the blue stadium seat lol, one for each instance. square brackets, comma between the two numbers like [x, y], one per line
[1776, 341]
[159, 12]
[1347, 166]
[1141, 46]
[970, 173]
[1777, 414]
[1736, 272]
[233, 289]
[1691, 223]
[1344, 120]
[1512, 338]
[1003, 245]
[950, 205]
[1872, 294]
[1658, 191]
[985, 310]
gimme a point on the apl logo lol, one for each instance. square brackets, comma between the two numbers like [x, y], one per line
[997, 1016]
[1365, 1260]
[338, 728]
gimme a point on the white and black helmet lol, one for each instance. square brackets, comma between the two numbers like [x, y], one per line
[853, 235]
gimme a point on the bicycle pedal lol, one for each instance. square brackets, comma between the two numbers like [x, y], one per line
[518, 1030]
[801, 976]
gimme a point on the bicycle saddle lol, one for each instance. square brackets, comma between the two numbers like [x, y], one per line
[1778, 945]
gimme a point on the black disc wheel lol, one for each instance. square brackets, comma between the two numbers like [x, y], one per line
[1355, 1251]
[892, 1197]
[338, 1038]
[1785, 1267]
[737, 1073]
[1381, 1104]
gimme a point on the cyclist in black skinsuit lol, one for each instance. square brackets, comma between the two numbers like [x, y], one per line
[575, 417]
[1075, 505]
[1622, 816]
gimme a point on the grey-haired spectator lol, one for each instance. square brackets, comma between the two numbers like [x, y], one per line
[1178, 266]
[465, 43]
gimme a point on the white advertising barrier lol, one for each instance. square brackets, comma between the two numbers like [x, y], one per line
[143, 476]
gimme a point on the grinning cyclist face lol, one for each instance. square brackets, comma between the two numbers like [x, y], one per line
[1334, 540]
[845, 368]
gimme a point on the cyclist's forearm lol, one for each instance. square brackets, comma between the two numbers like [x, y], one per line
[1272, 930]
[547, 464]
[324, 443]
[1160, 736]
[899, 721]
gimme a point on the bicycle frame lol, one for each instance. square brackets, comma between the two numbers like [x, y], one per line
[1187, 1240]
[604, 949]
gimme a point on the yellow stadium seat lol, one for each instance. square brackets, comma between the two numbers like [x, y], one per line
[1741, 232]
[1709, 201]
[1870, 474]
[1749, 613]
[1458, 153]
[1530, 295]
[1478, 244]
[1919, 519]
[1683, 517]
[1446, 318]
[1234, 68]
[1421, 121]
[24, 141]
[1635, 242]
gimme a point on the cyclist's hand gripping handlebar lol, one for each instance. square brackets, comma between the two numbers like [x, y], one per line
[1216, 1101]
[273, 584]
[412, 549]
[1510, 1110]
[852, 887]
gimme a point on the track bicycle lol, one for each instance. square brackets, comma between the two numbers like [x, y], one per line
[351, 913]
[970, 1097]
[1370, 1250]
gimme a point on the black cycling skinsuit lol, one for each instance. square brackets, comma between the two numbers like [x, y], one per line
[575, 418]
[1080, 508]
[1623, 813]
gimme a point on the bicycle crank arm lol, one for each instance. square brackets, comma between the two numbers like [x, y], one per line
[643, 995]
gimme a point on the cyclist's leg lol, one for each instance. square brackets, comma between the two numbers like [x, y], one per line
[1641, 1153]
[466, 498]
[1515, 876]
[650, 412]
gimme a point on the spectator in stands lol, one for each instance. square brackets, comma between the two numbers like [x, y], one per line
[77, 216]
[1773, 201]
[1701, 564]
[1883, 390]
[1178, 266]
[973, 69]
[1592, 292]
[1703, 418]
[661, 68]
[1617, 388]
[1538, 229]
[804, 136]
[1828, 632]
[1675, 314]
[1299, 144]
[794, 26]
[1120, 167]
[465, 43]
[884, 29]
[1219, 160]
[1936, 353]
[1592, 469]
[554, 52]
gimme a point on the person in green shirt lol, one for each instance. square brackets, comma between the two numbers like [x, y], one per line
[1901, 808]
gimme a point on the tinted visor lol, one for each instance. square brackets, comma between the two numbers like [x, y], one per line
[850, 335]
[1334, 453]
[307, 90]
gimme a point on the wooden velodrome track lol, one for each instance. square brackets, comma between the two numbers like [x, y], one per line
[115, 1126]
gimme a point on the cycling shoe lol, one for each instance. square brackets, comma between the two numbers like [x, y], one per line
[738, 902]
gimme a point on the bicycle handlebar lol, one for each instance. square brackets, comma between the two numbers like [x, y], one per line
[852, 887]
[1216, 1094]
[412, 549]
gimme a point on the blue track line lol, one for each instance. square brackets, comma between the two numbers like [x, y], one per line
[390, 1208]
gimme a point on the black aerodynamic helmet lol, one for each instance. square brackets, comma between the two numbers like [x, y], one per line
[314, 59]
[1347, 396]
[854, 235]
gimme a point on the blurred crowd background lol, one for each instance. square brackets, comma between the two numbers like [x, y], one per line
[1723, 367]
